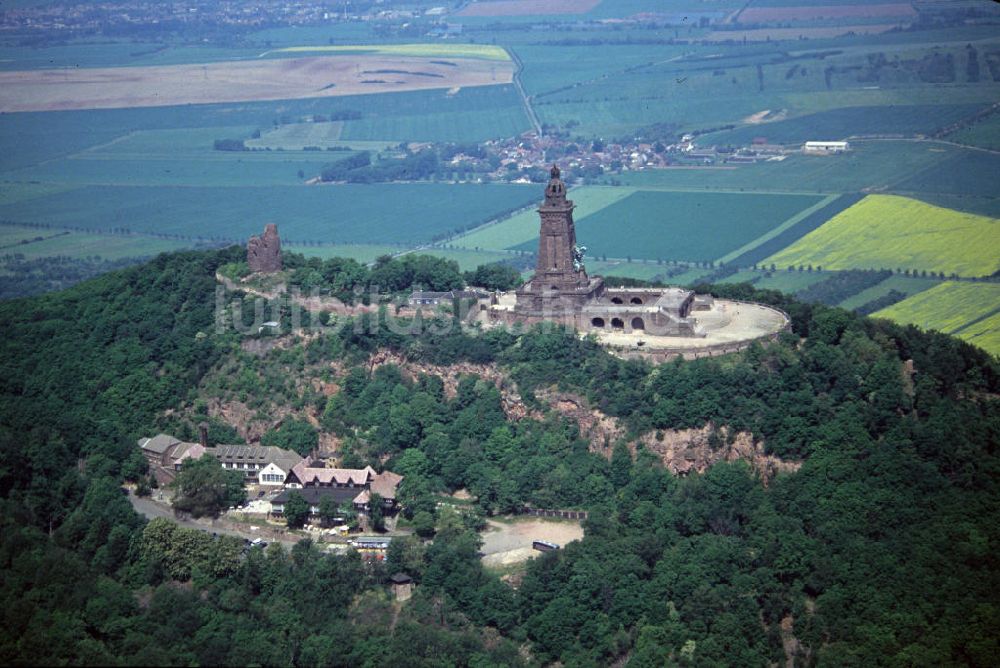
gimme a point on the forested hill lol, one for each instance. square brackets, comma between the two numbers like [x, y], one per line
[881, 550]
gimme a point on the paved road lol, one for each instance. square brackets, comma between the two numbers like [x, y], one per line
[149, 508]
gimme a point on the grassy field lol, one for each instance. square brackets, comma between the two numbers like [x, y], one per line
[396, 213]
[966, 309]
[908, 285]
[655, 225]
[886, 231]
[523, 226]
[435, 50]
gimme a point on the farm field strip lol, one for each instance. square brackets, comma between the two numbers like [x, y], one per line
[984, 134]
[832, 11]
[13, 237]
[693, 226]
[105, 246]
[888, 231]
[984, 333]
[908, 285]
[523, 226]
[783, 280]
[232, 172]
[364, 253]
[466, 259]
[498, 8]
[240, 81]
[801, 228]
[950, 307]
[328, 213]
[472, 51]
[770, 234]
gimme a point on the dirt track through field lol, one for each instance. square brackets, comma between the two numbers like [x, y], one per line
[245, 81]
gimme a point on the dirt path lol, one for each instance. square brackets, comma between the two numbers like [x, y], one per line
[150, 508]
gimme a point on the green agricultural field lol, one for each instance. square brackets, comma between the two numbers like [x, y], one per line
[952, 307]
[549, 67]
[435, 50]
[908, 285]
[467, 260]
[729, 83]
[783, 280]
[963, 172]
[837, 124]
[688, 226]
[887, 231]
[984, 333]
[985, 133]
[13, 237]
[456, 126]
[361, 252]
[876, 165]
[523, 226]
[221, 169]
[80, 245]
[383, 213]
[31, 138]
[646, 271]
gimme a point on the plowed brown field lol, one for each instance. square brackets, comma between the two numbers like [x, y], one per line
[244, 81]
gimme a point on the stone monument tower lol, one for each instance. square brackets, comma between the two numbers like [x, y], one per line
[560, 284]
[264, 252]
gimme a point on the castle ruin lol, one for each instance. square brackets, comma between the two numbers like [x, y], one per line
[264, 252]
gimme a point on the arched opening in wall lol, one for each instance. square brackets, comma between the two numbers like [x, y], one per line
[617, 300]
[636, 300]
[637, 323]
[617, 323]
[553, 287]
[597, 322]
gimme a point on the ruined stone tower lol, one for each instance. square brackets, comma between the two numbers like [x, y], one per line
[560, 284]
[264, 252]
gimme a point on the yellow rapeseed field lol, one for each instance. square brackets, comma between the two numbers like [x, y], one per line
[480, 51]
[955, 308]
[890, 232]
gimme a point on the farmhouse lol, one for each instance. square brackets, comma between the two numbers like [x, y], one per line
[825, 147]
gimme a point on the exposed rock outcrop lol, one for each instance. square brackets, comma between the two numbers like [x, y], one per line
[513, 406]
[682, 451]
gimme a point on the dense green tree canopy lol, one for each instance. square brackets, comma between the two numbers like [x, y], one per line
[203, 487]
[880, 549]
